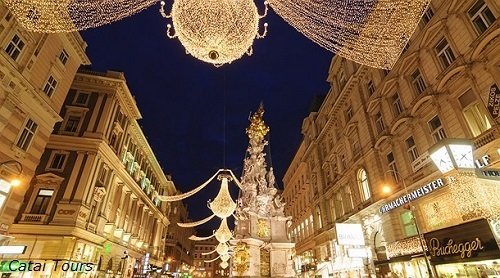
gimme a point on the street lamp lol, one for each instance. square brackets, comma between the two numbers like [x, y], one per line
[411, 209]
[449, 154]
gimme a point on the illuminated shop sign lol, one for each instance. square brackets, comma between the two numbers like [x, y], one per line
[471, 241]
[419, 192]
[486, 173]
[349, 234]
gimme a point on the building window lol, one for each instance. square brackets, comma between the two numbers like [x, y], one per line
[63, 57]
[356, 148]
[428, 14]
[437, 130]
[339, 205]
[57, 162]
[397, 107]
[405, 48]
[409, 227]
[81, 98]
[72, 124]
[331, 204]
[4, 192]
[371, 88]
[364, 187]
[444, 53]
[481, 16]
[476, 120]
[320, 221]
[348, 201]
[102, 179]
[348, 114]
[27, 134]
[50, 86]
[379, 122]
[14, 47]
[391, 163]
[411, 148]
[418, 82]
[42, 201]
[342, 80]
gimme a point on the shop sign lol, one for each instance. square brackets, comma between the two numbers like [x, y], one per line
[417, 193]
[349, 234]
[494, 101]
[461, 243]
[486, 173]
[357, 253]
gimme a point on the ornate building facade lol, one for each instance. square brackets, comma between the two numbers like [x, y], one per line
[94, 195]
[178, 247]
[36, 71]
[203, 266]
[369, 147]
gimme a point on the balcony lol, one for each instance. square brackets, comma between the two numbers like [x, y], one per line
[34, 218]
[487, 136]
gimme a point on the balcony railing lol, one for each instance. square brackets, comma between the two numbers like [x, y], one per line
[487, 136]
[33, 218]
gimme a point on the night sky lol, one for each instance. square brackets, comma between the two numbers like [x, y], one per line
[183, 100]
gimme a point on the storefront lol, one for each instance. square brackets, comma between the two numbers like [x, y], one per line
[465, 250]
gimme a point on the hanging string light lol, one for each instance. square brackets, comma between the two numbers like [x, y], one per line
[223, 265]
[369, 32]
[222, 248]
[215, 31]
[56, 16]
[197, 223]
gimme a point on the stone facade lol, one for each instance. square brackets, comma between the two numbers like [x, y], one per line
[94, 195]
[374, 131]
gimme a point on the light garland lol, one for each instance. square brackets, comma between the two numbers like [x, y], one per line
[56, 16]
[190, 193]
[223, 205]
[215, 31]
[223, 234]
[368, 32]
[223, 265]
[408, 246]
[195, 238]
[197, 223]
[225, 257]
[222, 248]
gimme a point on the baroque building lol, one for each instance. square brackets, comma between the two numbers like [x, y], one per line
[366, 155]
[36, 71]
[93, 198]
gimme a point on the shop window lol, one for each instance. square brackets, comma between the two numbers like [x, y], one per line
[418, 82]
[444, 53]
[411, 148]
[27, 134]
[15, 47]
[364, 187]
[42, 200]
[437, 130]
[409, 227]
[481, 16]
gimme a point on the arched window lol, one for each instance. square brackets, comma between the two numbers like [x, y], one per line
[320, 222]
[364, 187]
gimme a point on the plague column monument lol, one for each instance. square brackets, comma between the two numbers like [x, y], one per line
[262, 247]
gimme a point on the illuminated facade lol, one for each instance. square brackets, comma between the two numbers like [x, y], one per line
[178, 246]
[93, 197]
[36, 71]
[202, 268]
[370, 143]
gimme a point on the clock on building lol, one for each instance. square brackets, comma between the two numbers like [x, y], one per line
[463, 155]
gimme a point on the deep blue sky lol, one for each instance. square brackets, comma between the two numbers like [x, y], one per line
[182, 99]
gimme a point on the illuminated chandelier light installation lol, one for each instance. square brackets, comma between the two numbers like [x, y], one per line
[369, 32]
[215, 31]
[57, 16]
